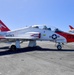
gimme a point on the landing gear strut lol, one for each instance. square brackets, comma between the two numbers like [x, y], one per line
[32, 43]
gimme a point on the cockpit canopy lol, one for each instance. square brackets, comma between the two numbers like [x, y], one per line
[41, 27]
[46, 28]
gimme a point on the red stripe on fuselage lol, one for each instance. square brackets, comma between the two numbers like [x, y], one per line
[69, 37]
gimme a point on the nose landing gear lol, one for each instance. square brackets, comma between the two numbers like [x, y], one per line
[59, 47]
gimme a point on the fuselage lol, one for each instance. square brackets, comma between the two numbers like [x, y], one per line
[27, 32]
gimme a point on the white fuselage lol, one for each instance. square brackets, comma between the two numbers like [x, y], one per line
[25, 34]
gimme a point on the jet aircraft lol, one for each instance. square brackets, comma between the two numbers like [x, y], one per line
[33, 34]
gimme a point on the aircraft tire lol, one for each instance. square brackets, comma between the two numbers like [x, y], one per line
[13, 48]
[59, 47]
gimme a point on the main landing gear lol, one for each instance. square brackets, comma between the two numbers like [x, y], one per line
[32, 44]
[14, 47]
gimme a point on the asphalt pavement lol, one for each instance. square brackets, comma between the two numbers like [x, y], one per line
[45, 59]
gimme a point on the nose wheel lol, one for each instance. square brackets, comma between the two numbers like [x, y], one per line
[59, 47]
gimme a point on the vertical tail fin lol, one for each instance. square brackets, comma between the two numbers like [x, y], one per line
[3, 27]
[71, 27]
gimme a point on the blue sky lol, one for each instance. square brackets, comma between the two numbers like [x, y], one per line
[20, 13]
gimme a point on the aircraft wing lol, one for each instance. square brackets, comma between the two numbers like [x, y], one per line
[28, 36]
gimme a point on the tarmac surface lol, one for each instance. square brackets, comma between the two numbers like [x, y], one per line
[43, 60]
